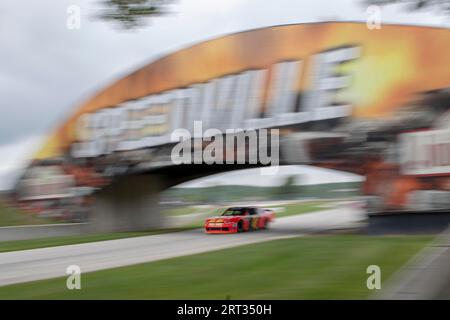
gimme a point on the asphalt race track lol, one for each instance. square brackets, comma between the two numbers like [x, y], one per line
[36, 264]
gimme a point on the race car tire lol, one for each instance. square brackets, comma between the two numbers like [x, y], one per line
[240, 227]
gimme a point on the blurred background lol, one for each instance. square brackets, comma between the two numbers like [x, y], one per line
[91, 90]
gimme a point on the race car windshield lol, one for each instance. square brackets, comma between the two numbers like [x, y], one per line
[234, 212]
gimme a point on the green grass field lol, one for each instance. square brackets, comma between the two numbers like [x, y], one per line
[301, 208]
[16, 245]
[14, 217]
[289, 209]
[318, 267]
[182, 210]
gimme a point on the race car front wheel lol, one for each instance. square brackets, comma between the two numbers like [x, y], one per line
[240, 228]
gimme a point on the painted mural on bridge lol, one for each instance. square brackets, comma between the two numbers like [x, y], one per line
[352, 92]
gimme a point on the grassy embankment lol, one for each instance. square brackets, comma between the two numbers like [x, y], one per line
[318, 267]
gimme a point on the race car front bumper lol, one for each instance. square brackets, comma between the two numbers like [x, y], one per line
[220, 227]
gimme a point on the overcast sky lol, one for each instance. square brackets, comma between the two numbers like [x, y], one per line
[46, 69]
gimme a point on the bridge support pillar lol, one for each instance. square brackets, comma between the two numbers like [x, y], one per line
[130, 204]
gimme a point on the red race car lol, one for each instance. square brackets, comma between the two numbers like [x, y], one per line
[239, 219]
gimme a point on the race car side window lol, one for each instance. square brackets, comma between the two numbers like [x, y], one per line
[252, 211]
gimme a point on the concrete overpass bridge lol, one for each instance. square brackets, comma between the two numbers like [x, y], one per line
[335, 95]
